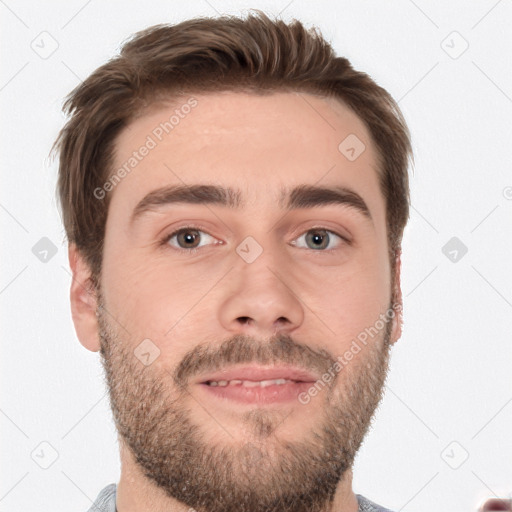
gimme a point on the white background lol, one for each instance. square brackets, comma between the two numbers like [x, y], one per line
[450, 376]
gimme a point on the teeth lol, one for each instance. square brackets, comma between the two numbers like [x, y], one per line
[249, 383]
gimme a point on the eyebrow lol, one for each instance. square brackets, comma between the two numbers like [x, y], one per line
[302, 196]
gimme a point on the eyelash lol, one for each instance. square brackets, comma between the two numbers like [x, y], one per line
[165, 240]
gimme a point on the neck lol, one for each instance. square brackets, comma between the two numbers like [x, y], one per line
[135, 493]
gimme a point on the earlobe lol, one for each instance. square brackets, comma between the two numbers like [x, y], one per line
[83, 301]
[397, 303]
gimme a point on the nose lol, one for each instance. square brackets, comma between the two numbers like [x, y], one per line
[260, 301]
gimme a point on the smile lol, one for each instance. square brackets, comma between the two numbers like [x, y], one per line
[258, 385]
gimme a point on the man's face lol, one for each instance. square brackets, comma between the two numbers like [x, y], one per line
[241, 332]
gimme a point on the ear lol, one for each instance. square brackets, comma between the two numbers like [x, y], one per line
[83, 301]
[397, 305]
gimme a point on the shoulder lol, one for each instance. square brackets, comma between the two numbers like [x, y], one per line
[106, 500]
[365, 505]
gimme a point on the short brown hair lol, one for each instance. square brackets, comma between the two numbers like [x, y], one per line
[227, 53]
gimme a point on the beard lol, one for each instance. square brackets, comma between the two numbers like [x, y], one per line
[266, 473]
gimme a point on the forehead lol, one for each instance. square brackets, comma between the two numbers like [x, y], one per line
[261, 145]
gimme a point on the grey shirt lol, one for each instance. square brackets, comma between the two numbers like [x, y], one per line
[106, 502]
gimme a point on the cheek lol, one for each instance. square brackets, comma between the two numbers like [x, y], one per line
[352, 302]
[351, 308]
[156, 302]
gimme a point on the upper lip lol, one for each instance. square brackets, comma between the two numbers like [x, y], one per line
[259, 373]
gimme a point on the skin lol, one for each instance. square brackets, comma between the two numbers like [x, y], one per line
[322, 300]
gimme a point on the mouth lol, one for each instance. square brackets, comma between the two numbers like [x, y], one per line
[258, 385]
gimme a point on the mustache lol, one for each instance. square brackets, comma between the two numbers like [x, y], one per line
[280, 349]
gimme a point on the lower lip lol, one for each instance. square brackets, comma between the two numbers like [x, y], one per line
[274, 394]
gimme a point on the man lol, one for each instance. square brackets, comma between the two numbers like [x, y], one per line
[234, 196]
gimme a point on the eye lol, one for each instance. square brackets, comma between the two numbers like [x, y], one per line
[320, 238]
[187, 238]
